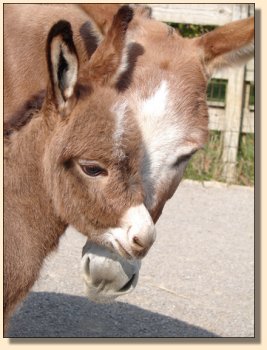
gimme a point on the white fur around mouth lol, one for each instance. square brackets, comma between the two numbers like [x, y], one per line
[108, 275]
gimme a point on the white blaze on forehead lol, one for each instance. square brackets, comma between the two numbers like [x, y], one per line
[162, 135]
[119, 109]
[156, 104]
[160, 129]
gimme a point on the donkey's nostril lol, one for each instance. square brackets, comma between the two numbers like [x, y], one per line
[128, 285]
[138, 242]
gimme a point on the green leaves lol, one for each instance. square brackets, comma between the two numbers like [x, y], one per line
[191, 30]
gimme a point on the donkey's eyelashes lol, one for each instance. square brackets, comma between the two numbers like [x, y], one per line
[184, 158]
[92, 169]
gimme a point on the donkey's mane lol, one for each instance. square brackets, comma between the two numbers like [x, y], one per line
[25, 114]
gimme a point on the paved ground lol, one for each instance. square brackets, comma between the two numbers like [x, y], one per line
[197, 280]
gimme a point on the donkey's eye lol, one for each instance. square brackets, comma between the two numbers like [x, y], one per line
[182, 159]
[93, 170]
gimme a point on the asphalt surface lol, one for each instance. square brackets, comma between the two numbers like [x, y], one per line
[196, 281]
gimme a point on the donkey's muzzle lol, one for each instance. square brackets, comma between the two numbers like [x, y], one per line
[136, 234]
[106, 274]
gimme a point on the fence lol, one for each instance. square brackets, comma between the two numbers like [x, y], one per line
[236, 114]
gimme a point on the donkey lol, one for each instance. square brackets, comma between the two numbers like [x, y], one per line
[170, 105]
[165, 91]
[75, 162]
[168, 96]
[119, 274]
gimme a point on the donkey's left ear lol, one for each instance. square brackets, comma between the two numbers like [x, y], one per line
[231, 44]
[62, 61]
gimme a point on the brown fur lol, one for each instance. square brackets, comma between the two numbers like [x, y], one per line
[108, 56]
[185, 63]
[222, 46]
[24, 115]
[19, 63]
[45, 189]
[101, 14]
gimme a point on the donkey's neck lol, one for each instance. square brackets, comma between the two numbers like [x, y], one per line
[24, 185]
[32, 230]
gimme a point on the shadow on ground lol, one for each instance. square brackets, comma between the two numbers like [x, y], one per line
[60, 315]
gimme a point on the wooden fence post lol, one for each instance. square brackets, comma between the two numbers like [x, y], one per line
[233, 110]
[233, 116]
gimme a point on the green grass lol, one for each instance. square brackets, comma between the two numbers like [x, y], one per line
[207, 164]
[245, 160]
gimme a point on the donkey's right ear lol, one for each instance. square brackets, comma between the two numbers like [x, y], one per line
[110, 59]
[62, 61]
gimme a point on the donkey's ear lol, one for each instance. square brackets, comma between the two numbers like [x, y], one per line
[142, 10]
[231, 44]
[62, 61]
[102, 14]
[109, 60]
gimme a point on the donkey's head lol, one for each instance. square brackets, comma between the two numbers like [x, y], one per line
[93, 150]
[168, 95]
[166, 90]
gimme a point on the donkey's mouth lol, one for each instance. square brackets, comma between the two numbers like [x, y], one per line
[108, 275]
[129, 284]
[121, 250]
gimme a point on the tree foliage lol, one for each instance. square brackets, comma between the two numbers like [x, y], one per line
[191, 30]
